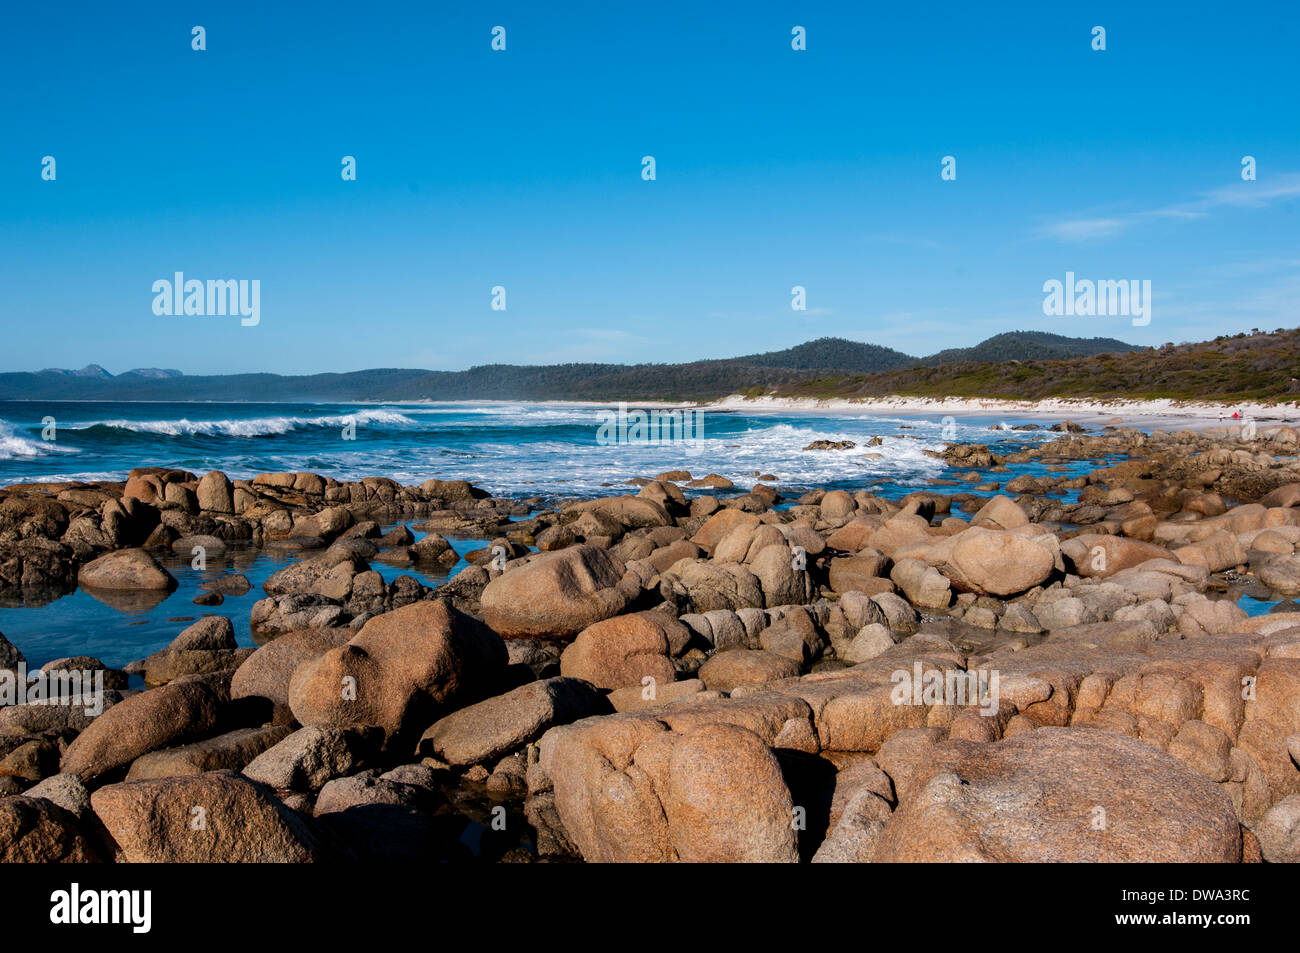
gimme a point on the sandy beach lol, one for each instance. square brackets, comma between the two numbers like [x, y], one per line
[1161, 414]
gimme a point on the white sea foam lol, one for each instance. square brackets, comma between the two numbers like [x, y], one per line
[14, 446]
[513, 415]
[255, 427]
[520, 449]
[742, 456]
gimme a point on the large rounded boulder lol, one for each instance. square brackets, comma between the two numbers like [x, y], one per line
[215, 817]
[35, 830]
[180, 711]
[129, 569]
[267, 672]
[727, 800]
[704, 585]
[628, 789]
[622, 651]
[558, 594]
[1101, 554]
[403, 669]
[989, 562]
[1061, 794]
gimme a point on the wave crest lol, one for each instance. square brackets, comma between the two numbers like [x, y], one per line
[255, 427]
[15, 446]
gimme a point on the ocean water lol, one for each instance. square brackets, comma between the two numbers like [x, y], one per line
[511, 449]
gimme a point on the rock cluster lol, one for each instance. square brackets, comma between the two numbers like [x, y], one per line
[1059, 671]
[53, 536]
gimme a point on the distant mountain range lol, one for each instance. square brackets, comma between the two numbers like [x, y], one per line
[697, 380]
[96, 372]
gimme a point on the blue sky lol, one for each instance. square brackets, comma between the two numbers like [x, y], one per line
[522, 169]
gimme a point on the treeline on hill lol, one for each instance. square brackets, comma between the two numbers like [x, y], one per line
[698, 380]
[1028, 346]
[1259, 366]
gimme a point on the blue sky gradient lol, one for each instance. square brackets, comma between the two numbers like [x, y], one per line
[523, 169]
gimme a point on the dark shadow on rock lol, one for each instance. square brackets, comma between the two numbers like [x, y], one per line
[811, 781]
[394, 832]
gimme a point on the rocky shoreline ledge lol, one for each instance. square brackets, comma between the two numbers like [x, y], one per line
[704, 677]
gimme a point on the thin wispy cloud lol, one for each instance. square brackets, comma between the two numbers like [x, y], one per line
[1085, 229]
[1243, 195]
[1251, 194]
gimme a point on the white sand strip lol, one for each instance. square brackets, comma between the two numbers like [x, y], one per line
[1161, 414]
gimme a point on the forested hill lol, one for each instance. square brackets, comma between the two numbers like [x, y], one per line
[1262, 366]
[697, 380]
[1028, 346]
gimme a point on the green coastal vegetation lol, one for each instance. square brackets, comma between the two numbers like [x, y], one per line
[1259, 366]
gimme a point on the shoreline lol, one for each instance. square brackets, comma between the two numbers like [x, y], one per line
[1079, 410]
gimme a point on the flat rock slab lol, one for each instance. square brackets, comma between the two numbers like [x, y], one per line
[232, 750]
[217, 817]
[497, 726]
[1061, 794]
